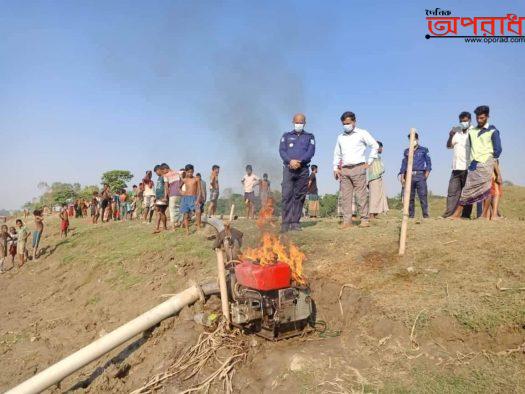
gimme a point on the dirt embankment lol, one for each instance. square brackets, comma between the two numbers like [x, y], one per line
[433, 321]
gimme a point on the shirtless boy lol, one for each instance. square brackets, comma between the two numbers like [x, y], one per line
[105, 203]
[214, 189]
[37, 234]
[64, 222]
[95, 209]
[191, 193]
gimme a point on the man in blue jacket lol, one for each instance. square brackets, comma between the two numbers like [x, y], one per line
[420, 171]
[297, 148]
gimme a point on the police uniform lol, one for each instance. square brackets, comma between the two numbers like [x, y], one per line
[421, 164]
[295, 146]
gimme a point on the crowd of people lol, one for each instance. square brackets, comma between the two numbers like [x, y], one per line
[182, 194]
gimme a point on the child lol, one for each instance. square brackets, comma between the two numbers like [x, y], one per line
[12, 245]
[23, 234]
[312, 193]
[37, 234]
[191, 193]
[149, 196]
[201, 201]
[139, 201]
[249, 182]
[161, 197]
[95, 210]
[123, 204]
[264, 190]
[4, 250]
[495, 192]
[64, 222]
[214, 189]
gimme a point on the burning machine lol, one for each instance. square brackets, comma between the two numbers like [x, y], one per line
[264, 300]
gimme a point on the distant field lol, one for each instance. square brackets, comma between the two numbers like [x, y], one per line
[434, 321]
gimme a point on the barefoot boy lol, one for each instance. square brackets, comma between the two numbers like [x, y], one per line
[190, 195]
[201, 201]
[249, 181]
[37, 234]
[23, 234]
[214, 190]
[4, 250]
[64, 222]
[12, 245]
[95, 208]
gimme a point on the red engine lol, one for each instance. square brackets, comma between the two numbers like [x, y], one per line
[263, 278]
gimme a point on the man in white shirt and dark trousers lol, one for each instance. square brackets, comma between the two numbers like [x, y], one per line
[458, 141]
[350, 165]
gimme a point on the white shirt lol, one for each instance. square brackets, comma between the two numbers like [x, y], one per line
[350, 148]
[461, 146]
[249, 182]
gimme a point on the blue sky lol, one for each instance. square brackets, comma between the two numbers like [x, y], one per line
[90, 86]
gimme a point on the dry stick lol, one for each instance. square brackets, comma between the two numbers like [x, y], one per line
[508, 288]
[406, 197]
[412, 337]
[341, 294]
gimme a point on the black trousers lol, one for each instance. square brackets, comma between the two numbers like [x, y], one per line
[455, 185]
[294, 187]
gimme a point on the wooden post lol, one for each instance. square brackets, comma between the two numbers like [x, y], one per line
[222, 285]
[406, 196]
[232, 209]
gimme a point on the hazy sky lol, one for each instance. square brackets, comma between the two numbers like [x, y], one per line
[90, 86]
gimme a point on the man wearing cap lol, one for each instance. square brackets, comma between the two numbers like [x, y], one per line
[296, 149]
[421, 168]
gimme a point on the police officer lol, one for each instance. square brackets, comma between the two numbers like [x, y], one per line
[421, 168]
[296, 149]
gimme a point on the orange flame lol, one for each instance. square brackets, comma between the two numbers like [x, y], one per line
[272, 249]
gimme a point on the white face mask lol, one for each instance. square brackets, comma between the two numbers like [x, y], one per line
[348, 127]
[298, 127]
[416, 143]
[465, 125]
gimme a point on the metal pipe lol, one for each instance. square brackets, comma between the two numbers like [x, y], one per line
[108, 342]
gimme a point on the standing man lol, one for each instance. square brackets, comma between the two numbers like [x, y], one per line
[458, 140]
[485, 149]
[378, 202]
[297, 148]
[350, 153]
[313, 194]
[420, 171]
[214, 189]
[172, 180]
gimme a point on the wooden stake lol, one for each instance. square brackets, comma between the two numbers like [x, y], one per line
[406, 196]
[231, 212]
[222, 285]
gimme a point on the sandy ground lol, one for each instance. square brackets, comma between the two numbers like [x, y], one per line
[432, 321]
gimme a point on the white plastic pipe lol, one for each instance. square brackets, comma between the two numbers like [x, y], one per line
[108, 342]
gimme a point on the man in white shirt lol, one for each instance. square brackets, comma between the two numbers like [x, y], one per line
[458, 140]
[350, 166]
